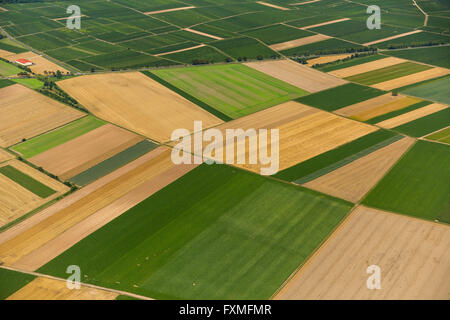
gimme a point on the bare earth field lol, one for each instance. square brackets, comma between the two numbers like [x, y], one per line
[151, 109]
[377, 106]
[203, 34]
[35, 243]
[85, 151]
[26, 113]
[181, 50]
[392, 38]
[52, 289]
[271, 5]
[298, 42]
[352, 181]
[4, 155]
[297, 75]
[169, 10]
[41, 64]
[412, 254]
[366, 67]
[411, 116]
[15, 200]
[327, 59]
[325, 23]
[411, 79]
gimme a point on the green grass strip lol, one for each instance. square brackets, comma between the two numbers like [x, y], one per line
[57, 137]
[27, 182]
[398, 112]
[348, 160]
[113, 163]
[5, 83]
[328, 158]
[426, 125]
[187, 96]
[12, 281]
[31, 83]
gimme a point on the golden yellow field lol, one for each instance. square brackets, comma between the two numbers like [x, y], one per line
[85, 151]
[411, 79]
[366, 67]
[4, 155]
[52, 289]
[26, 113]
[352, 181]
[298, 42]
[40, 65]
[412, 254]
[327, 59]
[15, 200]
[134, 101]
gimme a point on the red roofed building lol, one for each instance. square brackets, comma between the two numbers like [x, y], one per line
[24, 62]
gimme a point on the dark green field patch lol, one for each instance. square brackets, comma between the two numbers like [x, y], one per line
[27, 182]
[5, 82]
[437, 56]
[113, 163]
[339, 97]
[350, 63]
[418, 184]
[216, 233]
[277, 34]
[324, 47]
[12, 281]
[426, 125]
[202, 55]
[436, 90]
[244, 48]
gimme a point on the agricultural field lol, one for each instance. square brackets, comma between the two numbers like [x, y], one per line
[8, 69]
[12, 281]
[441, 136]
[435, 90]
[437, 56]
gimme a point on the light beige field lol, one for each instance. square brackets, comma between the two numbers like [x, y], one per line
[181, 50]
[302, 3]
[40, 65]
[203, 34]
[134, 101]
[15, 200]
[170, 10]
[34, 244]
[412, 254]
[85, 151]
[4, 53]
[411, 116]
[272, 5]
[298, 42]
[411, 79]
[327, 59]
[51, 289]
[297, 75]
[378, 106]
[392, 37]
[366, 67]
[4, 155]
[325, 23]
[352, 181]
[304, 132]
[26, 113]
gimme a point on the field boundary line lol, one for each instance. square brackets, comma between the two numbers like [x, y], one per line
[425, 23]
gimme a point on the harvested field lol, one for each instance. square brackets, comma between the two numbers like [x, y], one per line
[52, 289]
[4, 53]
[353, 181]
[272, 5]
[26, 113]
[152, 109]
[392, 37]
[169, 10]
[325, 23]
[297, 75]
[327, 59]
[203, 34]
[410, 79]
[411, 116]
[298, 42]
[85, 151]
[378, 106]
[412, 254]
[33, 243]
[4, 155]
[40, 64]
[16, 200]
[181, 50]
[366, 67]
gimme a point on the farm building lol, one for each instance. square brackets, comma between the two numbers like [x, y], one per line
[24, 62]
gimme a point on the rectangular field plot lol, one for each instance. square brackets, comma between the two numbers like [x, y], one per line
[324, 46]
[234, 90]
[437, 56]
[401, 246]
[24, 189]
[77, 155]
[350, 63]
[26, 113]
[56, 137]
[427, 124]
[241, 238]
[339, 97]
[436, 90]
[367, 66]
[417, 185]
[248, 48]
[277, 34]
[152, 109]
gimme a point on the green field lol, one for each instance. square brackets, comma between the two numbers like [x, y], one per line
[277, 34]
[441, 136]
[235, 90]
[31, 83]
[113, 163]
[8, 69]
[26, 181]
[418, 184]
[244, 48]
[426, 125]
[12, 281]
[203, 55]
[350, 63]
[338, 157]
[436, 90]
[57, 137]
[437, 56]
[324, 47]
[5, 83]
[339, 97]
[388, 73]
[230, 234]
